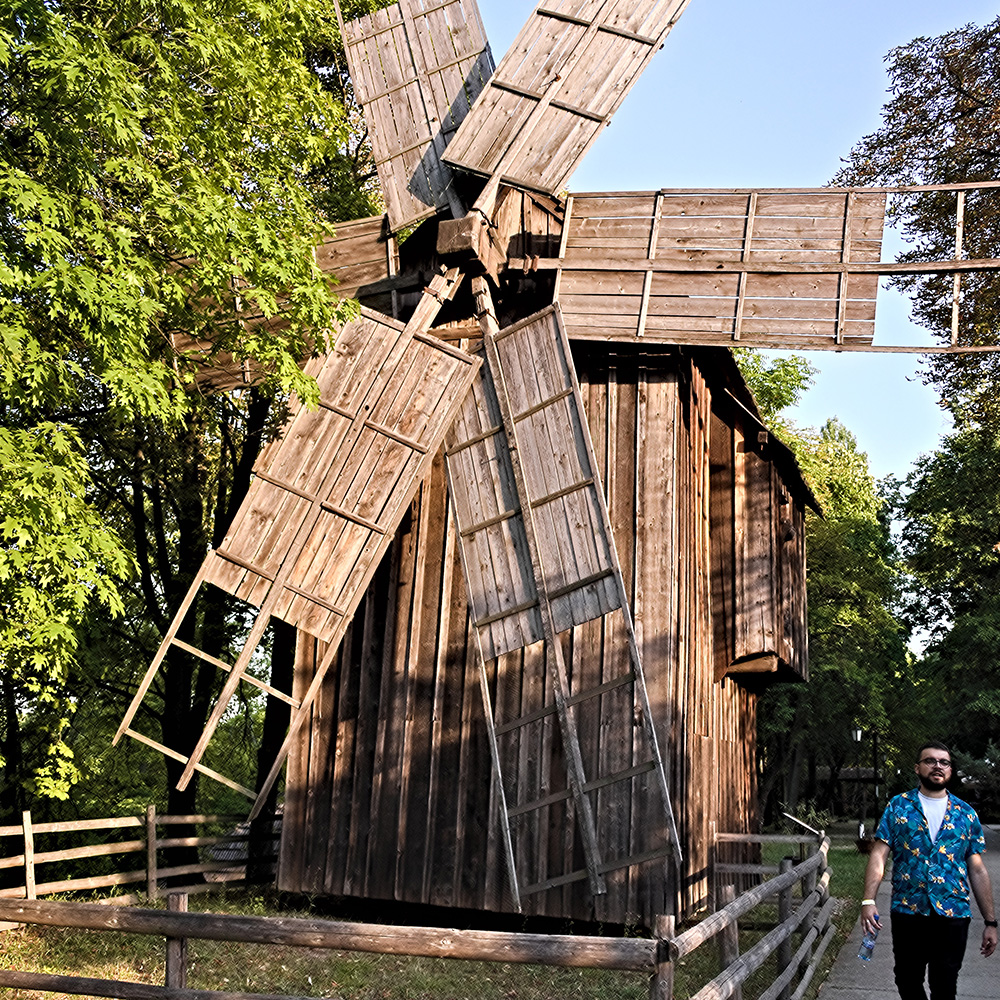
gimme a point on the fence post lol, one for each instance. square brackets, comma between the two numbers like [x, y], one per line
[661, 986]
[151, 888]
[713, 860]
[811, 879]
[177, 948]
[822, 928]
[29, 855]
[729, 937]
[784, 913]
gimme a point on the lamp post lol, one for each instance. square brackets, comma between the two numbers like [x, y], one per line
[857, 734]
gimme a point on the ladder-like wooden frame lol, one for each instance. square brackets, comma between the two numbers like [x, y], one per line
[327, 498]
[532, 600]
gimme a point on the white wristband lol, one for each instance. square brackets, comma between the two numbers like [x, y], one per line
[867, 902]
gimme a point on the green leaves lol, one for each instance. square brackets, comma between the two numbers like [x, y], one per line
[58, 562]
[942, 126]
[859, 667]
[776, 382]
[156, 159]
[153, 154]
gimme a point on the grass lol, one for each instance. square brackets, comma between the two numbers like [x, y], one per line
[304, 972]
[215, 965]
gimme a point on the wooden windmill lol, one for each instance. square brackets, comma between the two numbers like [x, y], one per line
[476, 159]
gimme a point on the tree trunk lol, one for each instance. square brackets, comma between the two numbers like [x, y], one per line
[260, 850]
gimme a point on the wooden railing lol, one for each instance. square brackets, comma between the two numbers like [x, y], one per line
[20, 849]
[812, 919]
[655, 956]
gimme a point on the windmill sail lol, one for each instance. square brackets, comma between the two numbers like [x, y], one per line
[328, 494]
[562, 490]
[417, 68]
[539, 557]
[764, 268]
[558, 86]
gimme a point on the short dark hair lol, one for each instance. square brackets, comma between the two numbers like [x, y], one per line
[931, 746]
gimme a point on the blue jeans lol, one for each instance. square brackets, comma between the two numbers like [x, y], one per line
[931, 944]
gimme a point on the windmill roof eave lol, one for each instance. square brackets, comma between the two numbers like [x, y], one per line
[723, 372]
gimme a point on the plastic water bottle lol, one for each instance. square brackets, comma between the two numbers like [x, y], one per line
[868, 944]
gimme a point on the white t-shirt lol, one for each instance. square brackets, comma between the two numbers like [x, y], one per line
[934, 809]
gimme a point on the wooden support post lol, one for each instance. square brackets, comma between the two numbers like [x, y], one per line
[957, 281]
[661, 986]
[811, 878]
[784, 913]
[729, 938]
[151, 888]
[713, 862]
[177, 948]
[29, 855]
[845, 258]
[811, 931]
[823, 920]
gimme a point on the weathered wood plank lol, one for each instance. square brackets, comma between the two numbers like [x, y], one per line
[359, 253]
[738, 229]
[416, 72]
[553, 471]
[549, 93]
[544, 949]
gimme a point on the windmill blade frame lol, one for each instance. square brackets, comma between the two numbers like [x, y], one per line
[417, 69]
[557, 88]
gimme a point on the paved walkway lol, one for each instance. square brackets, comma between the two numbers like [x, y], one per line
[852, 979]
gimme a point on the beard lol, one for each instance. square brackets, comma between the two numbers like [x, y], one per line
[932, 783]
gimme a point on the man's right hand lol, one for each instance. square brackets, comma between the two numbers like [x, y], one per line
[869, 919]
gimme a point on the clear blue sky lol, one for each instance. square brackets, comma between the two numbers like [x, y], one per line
[773, 94]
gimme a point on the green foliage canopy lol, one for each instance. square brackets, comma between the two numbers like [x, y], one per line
[154, 163]
[858, 662]
[776, 381]
[940, 127]
[951, 541]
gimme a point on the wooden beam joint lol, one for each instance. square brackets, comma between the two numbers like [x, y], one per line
[472, 239]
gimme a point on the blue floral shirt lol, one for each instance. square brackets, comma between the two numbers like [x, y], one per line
[927, 875]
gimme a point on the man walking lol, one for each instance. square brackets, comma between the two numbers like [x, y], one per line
[936, 842]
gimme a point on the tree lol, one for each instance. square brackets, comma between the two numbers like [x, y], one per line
[158, 164]
[951, 542]
[776, 382]
[940, 127]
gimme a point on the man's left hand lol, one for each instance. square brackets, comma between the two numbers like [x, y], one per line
[989, 941]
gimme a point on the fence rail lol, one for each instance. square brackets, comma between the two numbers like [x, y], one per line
[812, 918]
[152, 838]
[655, 956]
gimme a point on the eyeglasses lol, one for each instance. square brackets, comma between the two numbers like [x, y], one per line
[931, 761]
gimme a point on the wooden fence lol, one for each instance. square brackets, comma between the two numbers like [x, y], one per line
[656, 956]
[227, 864]
[811, 920]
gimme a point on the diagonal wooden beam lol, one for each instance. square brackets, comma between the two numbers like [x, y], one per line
[440, 289]
[567, 723]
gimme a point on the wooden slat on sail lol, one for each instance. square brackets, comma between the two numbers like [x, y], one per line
[766, 268]
[358, 253]
[329, 492]
[347, 468]
[417, 67]
[558, 86]
[539, 557]
[563, 491]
